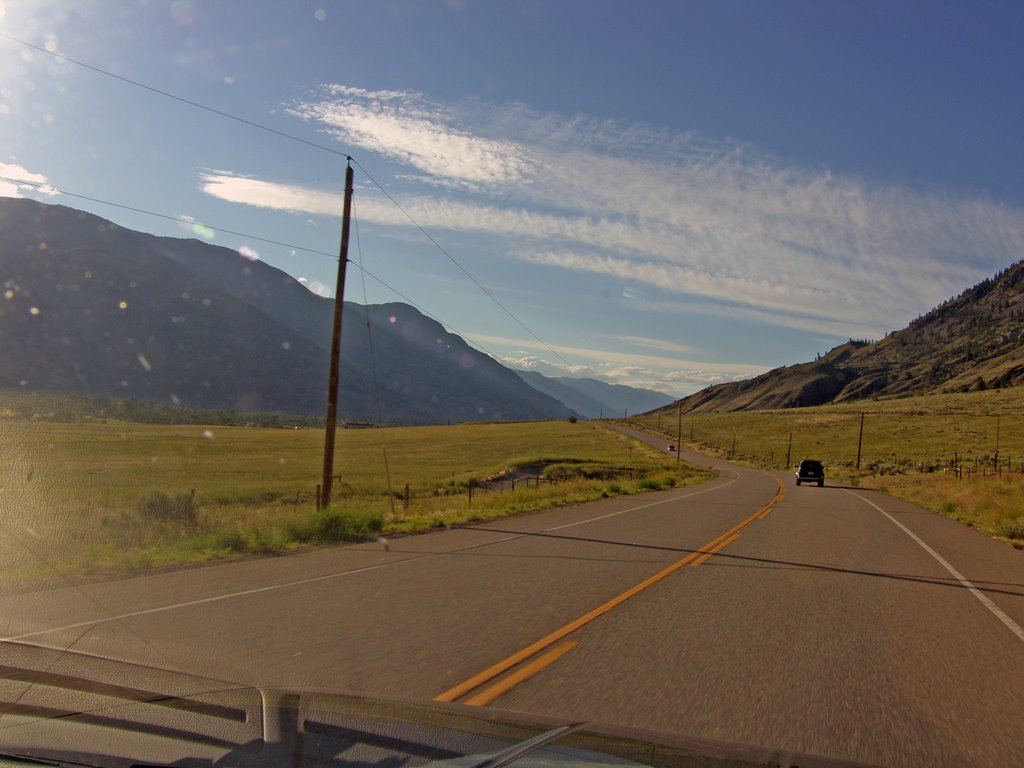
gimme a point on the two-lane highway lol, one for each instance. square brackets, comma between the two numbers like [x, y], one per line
[826, 620]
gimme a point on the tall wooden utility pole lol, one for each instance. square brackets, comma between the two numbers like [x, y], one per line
[332, 383]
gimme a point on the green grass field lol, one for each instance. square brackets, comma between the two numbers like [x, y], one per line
[908, 448]
[101, 497]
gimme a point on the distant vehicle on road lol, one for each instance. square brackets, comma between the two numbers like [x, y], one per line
[810, 471]
[671, 446]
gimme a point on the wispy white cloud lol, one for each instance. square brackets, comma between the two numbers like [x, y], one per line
[526, 362]
[713, 222]
[404, 127]
[35, 182]
[659, 344]
[269, 194]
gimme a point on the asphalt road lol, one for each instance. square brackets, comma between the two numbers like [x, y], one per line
[833, 621]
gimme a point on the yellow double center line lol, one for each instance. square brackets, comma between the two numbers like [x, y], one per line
[489, 694]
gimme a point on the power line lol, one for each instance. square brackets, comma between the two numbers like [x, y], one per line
[194, 223]
[462, 269]
[308, 143]
[169, 95]
[366, 311]
[180, 219]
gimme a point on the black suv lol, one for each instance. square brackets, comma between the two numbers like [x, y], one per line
[810, 471]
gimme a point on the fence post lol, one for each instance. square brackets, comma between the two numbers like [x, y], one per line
[318, 497]
[405, 498]
[860, 438]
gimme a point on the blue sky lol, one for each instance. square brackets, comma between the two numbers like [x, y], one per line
[660, 194]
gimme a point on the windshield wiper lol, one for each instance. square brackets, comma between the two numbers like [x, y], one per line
[523, 748]
[39, 760]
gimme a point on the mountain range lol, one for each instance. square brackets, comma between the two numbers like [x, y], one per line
[91, 308]
[972, 341]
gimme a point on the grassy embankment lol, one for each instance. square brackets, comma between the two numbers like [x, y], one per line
[908, 449]
[101, 497]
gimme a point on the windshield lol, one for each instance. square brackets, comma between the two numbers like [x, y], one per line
[457, 356]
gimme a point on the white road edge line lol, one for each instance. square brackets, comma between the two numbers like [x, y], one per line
[213, 599]
[998, 612]
[642, 506]
[325, 577]
[588, 520]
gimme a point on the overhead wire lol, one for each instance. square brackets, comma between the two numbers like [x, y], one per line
[192, 222]
[453, 260]
[180, 219]
[169, 95]
[366, 310]
[312, 144]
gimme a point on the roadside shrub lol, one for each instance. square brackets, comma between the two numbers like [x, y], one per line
[1011, 529]
[232, 541]
[300, 531]
[265, 542]
[345, 525]
[159, 507]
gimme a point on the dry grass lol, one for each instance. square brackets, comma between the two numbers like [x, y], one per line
[907, 444]
[992, 503]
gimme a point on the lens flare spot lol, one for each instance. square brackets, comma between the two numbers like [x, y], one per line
[249, 253]
[184, 12]
[467, 361]
[144, 363]
[208, 435]
[392, 319]
[123, 304]
[320, 14]
[204, 232]
[33, 310]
